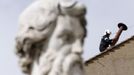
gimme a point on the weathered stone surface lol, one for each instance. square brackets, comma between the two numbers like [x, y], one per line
[50, 38]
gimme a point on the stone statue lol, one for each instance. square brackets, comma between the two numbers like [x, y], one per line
[50, 38]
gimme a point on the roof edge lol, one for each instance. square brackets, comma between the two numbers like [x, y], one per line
[109, 49]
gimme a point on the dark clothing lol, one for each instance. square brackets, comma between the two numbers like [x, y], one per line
[105, 42]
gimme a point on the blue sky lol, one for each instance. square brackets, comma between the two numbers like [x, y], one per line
[101, 15]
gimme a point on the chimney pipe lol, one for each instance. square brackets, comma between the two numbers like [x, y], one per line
[122, 27]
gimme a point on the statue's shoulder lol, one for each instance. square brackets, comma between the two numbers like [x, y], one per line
[38, 12]
[38, 6]
[29, 11]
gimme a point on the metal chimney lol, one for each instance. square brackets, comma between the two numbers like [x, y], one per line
[122, 27]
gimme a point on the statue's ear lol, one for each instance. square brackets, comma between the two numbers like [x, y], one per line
[67, 3]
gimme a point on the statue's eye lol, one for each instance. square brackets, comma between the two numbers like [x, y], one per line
[69, 38]
[31, 28]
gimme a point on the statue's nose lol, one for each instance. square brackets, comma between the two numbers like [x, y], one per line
[77, 47]
[19, 48]
[18, 43]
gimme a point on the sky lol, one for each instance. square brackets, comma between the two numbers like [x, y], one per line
[101, 15]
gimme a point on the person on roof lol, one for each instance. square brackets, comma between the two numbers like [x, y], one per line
[105, 41]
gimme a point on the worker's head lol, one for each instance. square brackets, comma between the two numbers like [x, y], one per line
[107, 32]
